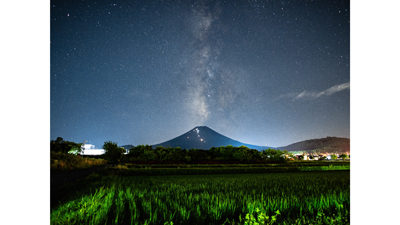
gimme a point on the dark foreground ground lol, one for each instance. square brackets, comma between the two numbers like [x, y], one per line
[60, 178]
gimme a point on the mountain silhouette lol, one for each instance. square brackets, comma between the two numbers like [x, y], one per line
[328, 144]
[203, 137]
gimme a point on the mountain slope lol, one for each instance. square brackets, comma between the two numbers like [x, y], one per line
[203, 137]
[328, 144]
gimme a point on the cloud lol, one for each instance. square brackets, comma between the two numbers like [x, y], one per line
[314, 95]
[338, 88]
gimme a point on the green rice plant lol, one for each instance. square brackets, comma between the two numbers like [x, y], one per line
[133, 210]
[260, 218]
[93, 207]
[120, 204]
[300, 198]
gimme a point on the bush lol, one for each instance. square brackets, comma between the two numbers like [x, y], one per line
[112, 151]
[60, 145]
[63, 162]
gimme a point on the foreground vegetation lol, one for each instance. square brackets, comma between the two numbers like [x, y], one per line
[281, 198]
[146, 154]
[64, 162]
[186, 169]
[224, 185]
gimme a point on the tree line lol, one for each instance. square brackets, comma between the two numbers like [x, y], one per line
[60, 145]
[146, 153]
[227, 153]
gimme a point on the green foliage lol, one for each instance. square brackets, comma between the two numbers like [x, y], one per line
[174, 154]
[239, 155]
[180, 169]
[139, 150]
[260, 218]
[148, 155]
[343, 156]
[74, 151]
[112, 151]
[275, 155]
[59, 145]
[161, 152]
[197, 155]
[62, 162]
[228, 154]
[280, 198]
[333, 156]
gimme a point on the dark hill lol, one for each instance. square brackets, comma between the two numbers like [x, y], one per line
[203, 137]
[328, 144]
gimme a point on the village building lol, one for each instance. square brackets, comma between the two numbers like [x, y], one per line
[89, 149]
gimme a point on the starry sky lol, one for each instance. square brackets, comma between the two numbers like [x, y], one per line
[267, 73]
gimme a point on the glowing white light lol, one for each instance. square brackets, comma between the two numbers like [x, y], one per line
[201, 139]
[94, 152]
[89, 149]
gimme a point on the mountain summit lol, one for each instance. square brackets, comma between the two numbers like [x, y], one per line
[203, 137]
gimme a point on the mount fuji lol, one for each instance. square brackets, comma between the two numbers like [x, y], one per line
[203, 137]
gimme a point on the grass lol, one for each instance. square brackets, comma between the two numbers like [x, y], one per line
[187, 169]
[286, 164]
[65, 162]
[299, 198]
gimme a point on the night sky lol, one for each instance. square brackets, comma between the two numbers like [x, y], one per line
[266, 73]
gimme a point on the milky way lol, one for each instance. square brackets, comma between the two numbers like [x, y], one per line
[262, 72]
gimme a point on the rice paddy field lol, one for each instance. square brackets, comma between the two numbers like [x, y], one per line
[186, 169]
[316, 197]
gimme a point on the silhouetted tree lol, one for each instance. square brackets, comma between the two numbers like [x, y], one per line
[161, 152]
[138, 150]
[112, 151]
[213, 152]
[174, 154]
[197, 155]
[148, 155]
[59, 145]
